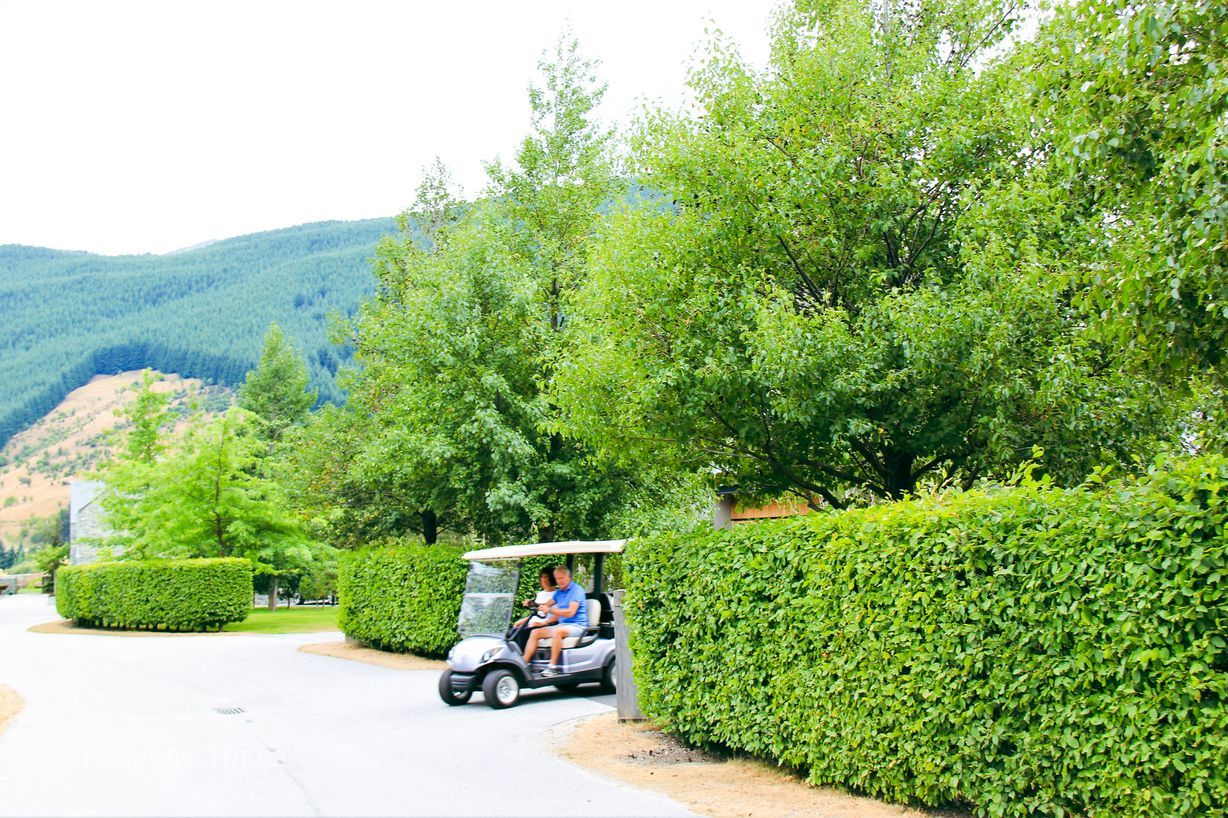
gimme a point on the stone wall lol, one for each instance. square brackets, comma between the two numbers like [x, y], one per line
[85, 520]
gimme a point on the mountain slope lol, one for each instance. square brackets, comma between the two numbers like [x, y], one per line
[201, 312]
[36, 465]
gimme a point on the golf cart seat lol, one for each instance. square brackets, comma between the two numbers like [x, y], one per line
[590, 633]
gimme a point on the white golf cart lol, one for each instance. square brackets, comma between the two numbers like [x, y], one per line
[488, 659]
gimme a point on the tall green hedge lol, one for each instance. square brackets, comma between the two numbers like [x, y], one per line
[1028, 651]
[176, 595]
[406, 597]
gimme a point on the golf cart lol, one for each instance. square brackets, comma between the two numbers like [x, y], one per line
[488, 659]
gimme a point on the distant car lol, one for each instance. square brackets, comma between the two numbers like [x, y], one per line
[488, 659]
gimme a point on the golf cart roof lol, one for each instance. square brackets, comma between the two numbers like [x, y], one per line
[516, 552]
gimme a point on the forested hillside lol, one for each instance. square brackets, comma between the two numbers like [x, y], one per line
[78, 436]
[201, 312]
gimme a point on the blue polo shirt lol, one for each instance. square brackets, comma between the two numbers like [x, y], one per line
[564, 598]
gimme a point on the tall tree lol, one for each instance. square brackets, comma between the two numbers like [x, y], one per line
[276, 391]
[10, 556]
[1126, 106]
[206, 498]
[343, 496]
[146, 416]
[801, 309]
[465, 331]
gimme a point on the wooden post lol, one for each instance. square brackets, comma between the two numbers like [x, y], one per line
[599, 573]
[627, 697]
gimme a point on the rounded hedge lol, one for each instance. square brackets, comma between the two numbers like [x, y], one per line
[1028, 651]
[175, 595]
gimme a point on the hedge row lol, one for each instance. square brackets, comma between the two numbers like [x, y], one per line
[176, 595]
[1025, 651]
[402, 598]
[407, 597]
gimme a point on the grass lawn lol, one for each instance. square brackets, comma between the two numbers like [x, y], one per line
[287, 620]
[30, 589]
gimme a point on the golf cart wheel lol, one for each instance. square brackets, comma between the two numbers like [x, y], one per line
[608, 682]
[450, 694]
[501, 689]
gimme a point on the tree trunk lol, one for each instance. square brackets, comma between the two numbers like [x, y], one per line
[273, 582]
[430, 527]
[900, 480]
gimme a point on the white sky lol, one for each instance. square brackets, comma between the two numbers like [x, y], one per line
[150, 126]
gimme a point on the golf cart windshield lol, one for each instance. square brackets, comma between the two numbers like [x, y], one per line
[490, 597]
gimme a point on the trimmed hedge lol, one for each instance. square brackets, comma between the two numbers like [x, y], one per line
[175, 595]
[403, 598]
[1027, 651]
[406, 598]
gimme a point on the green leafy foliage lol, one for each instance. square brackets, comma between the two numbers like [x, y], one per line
[175, 595]
[404, 598]
[146, 417]
[276, 391]
[1129, 103]
[317, 582]
[36, 533]
[1027, 651]
[806, 308]
[206, 497]
[49, 560]
[10, 557]
[200, 313]
[448, 425]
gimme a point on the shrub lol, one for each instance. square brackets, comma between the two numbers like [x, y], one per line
[49, 560]
[319, 581]
[406, 597]
[403, 598]
[1024, 651]
[176, 595]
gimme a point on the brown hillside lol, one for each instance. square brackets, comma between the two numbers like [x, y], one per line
[36, 465]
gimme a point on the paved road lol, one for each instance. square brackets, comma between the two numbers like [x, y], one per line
[130, 726]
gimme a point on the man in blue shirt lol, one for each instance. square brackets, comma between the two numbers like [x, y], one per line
[570, 611]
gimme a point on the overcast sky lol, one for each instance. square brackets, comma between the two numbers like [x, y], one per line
[151, 126]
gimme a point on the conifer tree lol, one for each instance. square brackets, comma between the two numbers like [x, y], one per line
[277, 391]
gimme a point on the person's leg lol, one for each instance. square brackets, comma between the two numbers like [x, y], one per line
[556, 643]
[530, 647]
[522, 637]
[560, 633]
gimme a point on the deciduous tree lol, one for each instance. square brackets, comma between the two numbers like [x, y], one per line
[801, 307]
[206, 498]
[451, 424]
[1127, 105]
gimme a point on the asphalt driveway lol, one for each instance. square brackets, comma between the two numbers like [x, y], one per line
[239, 725]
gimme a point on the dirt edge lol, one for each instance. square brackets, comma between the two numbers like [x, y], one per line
[636, 753]
[67, 626]
[11, 703]
[357, 653]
